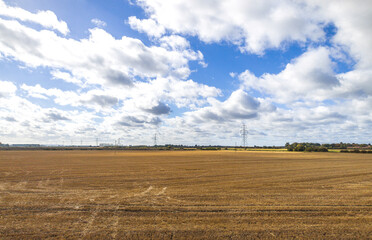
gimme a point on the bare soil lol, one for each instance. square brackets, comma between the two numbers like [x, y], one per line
[185, 195]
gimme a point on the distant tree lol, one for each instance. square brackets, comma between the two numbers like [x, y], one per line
[289, 147]
[299, 148]
[322, 149]
[309, 149]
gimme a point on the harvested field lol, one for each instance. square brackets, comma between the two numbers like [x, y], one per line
[185, 195]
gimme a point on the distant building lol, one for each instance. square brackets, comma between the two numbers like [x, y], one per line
[106, 145]
[26, 145]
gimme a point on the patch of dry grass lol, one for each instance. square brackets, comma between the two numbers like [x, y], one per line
[184, 195]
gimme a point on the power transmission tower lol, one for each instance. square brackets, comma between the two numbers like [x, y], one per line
[244, 133]
[155, 140]
[97, 142]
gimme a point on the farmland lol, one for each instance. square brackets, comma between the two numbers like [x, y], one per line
[184, 195]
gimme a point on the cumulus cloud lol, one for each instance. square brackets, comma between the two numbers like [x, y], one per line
[10, 119]
[99, 23]
[138, 121]
[46, 19]
[148, 26]
[355, 84]
[34, 123]
[158, 109]
[253, 26]
[309, 76]
[125, 88]
[174, 42]
[238, 106]
[353, 37]
[7, 89]
[100, 59]
[95, 99]
[309, 99]
[102, 100]
[65, 76]
[55, 116]
[144, 96]
[351, 18]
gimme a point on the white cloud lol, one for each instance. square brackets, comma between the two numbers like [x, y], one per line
[7, 89]
[232, 74]
[45, 18]
[65, 76]
[121, 83]
[310, 76]
[100, 59]
[355, 84]
[238, 106]
[31, 123]
[351, 18]
[254, 26]
[148, 26]
[174, 42]
[99, 23]
[124, 88]
[96, 99]
[353, 38]
[143, 96]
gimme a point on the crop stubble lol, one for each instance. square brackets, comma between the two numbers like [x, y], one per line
[184, 195]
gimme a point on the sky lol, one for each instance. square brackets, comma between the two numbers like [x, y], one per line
[189, 71]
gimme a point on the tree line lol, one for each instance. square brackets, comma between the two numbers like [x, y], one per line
[317, 147]
[306, 147]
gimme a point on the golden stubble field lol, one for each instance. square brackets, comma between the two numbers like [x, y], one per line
[184, 195]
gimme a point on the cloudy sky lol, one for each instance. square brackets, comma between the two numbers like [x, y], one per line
[190, 71]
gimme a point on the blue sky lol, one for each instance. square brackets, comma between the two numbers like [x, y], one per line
[193, 72]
